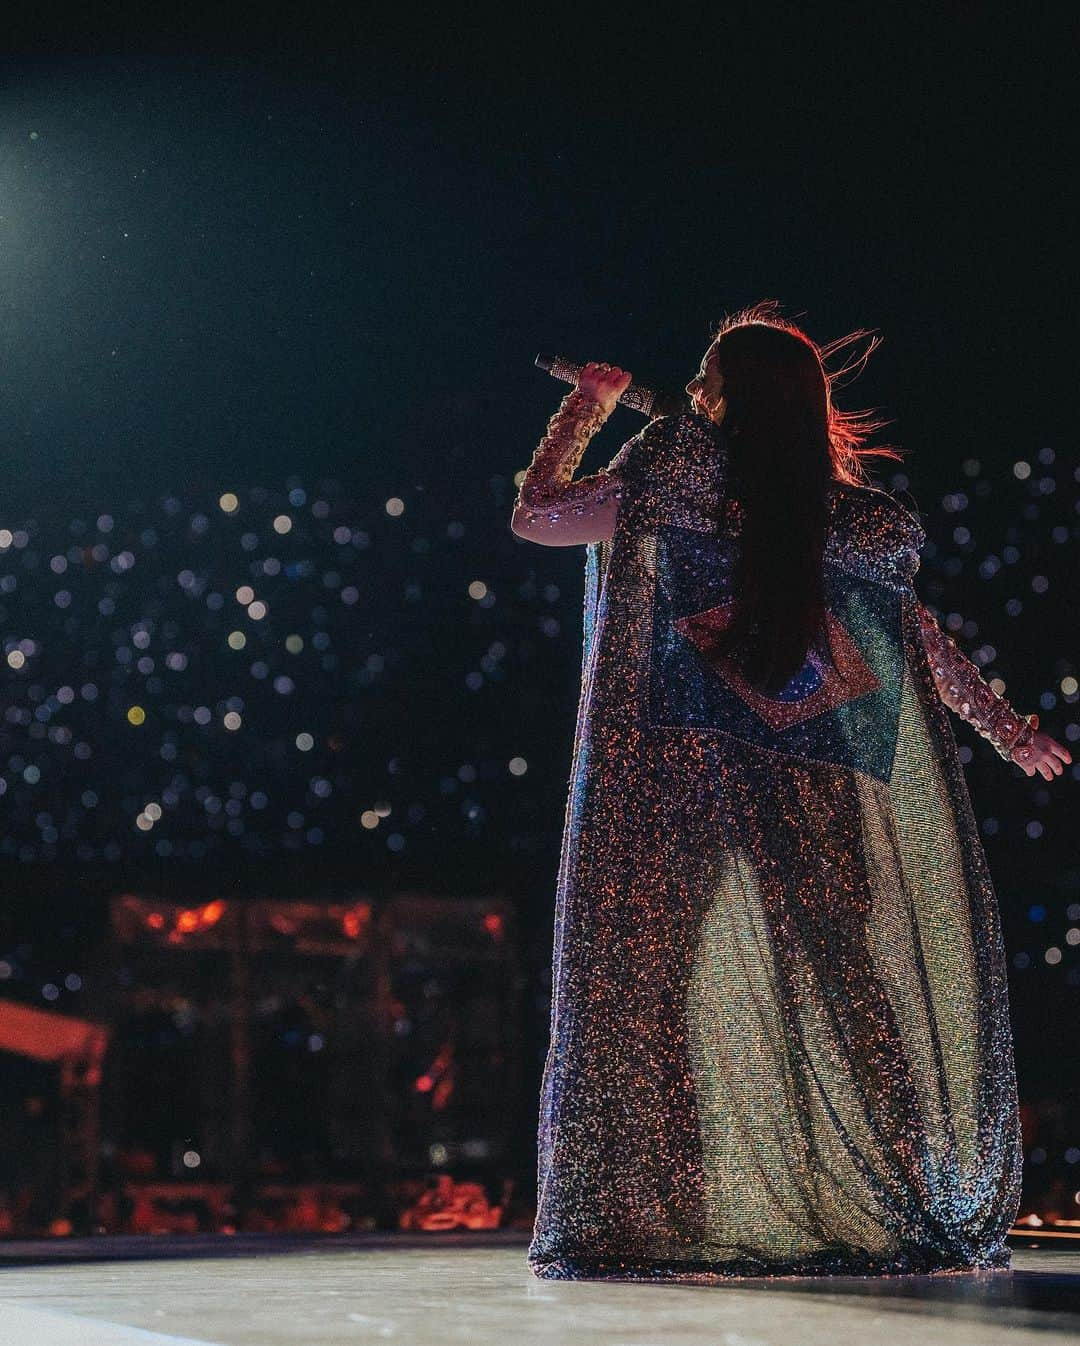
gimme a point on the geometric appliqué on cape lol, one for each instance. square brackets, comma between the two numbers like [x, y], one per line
[848, 715]
[815, 689]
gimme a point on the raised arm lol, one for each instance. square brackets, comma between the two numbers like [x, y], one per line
[964, 690]
[553, 509]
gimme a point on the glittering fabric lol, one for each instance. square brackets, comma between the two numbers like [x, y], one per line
[963, 689]
[780, 1038]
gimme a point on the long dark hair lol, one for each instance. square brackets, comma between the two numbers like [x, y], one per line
[787, 442]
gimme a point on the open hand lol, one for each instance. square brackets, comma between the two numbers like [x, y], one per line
[1044, 754]
[603, 383]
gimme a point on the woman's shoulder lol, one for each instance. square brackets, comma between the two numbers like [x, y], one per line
[866, 501]
[672, 471]
[872, 527]
[681, 426]
[685, 437]
[690, 423]
[681, 436]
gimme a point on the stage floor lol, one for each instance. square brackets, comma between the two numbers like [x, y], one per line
[447, 1288]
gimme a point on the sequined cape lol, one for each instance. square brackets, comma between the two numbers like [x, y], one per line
[780, 1037]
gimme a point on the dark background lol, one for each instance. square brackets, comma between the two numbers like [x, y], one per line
[325, 247]
[339, 238]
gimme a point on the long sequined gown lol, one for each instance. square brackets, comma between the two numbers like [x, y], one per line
[780, 1037]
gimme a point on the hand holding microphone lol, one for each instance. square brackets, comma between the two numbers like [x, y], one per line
[604, 383]
[649, 401]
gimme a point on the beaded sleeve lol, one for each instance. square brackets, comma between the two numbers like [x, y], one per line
[547, 489]
[964, 690]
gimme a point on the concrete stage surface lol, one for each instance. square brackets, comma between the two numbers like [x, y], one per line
[262, 1290]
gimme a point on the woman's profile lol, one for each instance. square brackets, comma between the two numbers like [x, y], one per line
[780, 1037]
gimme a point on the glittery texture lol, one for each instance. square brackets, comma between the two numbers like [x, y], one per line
[816, 688]
[963, 689]
[780, 1038]
[551, 506]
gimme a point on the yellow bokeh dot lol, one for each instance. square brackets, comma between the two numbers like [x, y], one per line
[237, 640]
[395, 506]
[282, 524]
[294, 644]
[229, 503]
[1068, 686]
[136, 715]
[477, 589]
[369, 819]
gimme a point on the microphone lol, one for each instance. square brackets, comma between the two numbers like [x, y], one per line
[649, 401]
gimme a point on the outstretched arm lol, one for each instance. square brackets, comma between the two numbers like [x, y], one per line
[964, 690]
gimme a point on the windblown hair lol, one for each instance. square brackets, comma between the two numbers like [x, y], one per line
[787, 442]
